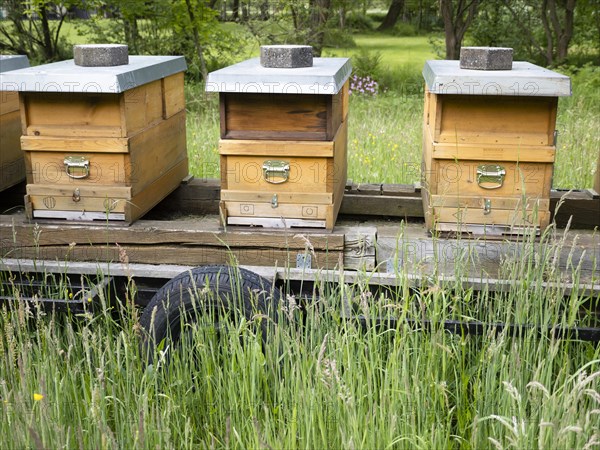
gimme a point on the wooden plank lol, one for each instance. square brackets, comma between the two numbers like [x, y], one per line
[400, 190]
[277, 148]
[496, 120]
[496, 216]
[222, 114]
[283, 211]
[9, 102]
[382, 205]
[146, 198]
[200, 231]
[74, 144]
[335, 114]
[274, 135]
[495, 153]
[84, 115]
[368, 189]
[92, 190]
[413, 253]
[68, 131]
[476, 202]
[11, 174]
[460, 178]
[141, 107]
[337, 167]
[276, 116]
[282, 197]
[359, 246]
[173, 95]
[23, 113]
[306, 174]
[111, 169]
[82, 215]
[273, 223]
[155, 151]
[103, 204]
[389, 279]
[193, 256]
[10, 132]
[578, 209]
[12, 164]
[345, 100]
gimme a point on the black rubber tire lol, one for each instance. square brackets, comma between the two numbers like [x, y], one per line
[207, 289]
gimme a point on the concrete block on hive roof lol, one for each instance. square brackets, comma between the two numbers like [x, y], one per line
[486, 58]
[286, 56]
[101, 55]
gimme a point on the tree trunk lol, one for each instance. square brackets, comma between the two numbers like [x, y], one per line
[563, 34]
[548, 32]
[264, 10]
[319, 13]
[396, 8]
[342, 14]
[49, 53]
[235, 10]
[456, 23]
[131, 34]
[245, 12]
[199, 49]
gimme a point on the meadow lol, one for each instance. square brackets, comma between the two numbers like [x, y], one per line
[323, 381]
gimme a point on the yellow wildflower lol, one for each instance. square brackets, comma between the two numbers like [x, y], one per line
[38, 397]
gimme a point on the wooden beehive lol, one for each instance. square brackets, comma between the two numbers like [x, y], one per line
[283, 142]
[489, 147]
[12, 163]
[102, 143]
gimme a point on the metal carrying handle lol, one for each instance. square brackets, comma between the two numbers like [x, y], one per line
[276, 171]
[76, 163]
[490, 176]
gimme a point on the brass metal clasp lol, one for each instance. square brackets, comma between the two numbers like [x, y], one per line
[276, 171]
[490, 176]
[77, 167]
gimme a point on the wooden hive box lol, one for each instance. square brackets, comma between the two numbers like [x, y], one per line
[102, 143]
[12, 163]
[489, 147]
[283, 142]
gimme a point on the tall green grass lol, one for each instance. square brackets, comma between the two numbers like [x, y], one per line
[321, 381]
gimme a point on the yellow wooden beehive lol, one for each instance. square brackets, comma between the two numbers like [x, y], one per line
[102, 143]
[283, 142]
[489, 147]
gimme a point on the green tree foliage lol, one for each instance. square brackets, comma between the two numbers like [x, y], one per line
[33, 28]
[548, 32]
[457, 16]
[170, 27]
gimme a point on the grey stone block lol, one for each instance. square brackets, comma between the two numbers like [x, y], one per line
[486, 58]
[100, 55]
[286, 56]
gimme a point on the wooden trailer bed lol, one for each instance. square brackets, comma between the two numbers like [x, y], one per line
[380, 235]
